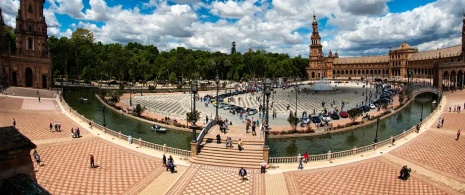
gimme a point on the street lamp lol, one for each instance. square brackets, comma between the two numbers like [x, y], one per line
[377, 127]
[194, 89]
[217, 83]
[103, 112]
[296, 90]
[267, 93]
[263, 105]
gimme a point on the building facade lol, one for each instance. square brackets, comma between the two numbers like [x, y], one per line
[444, 67]
[29, 65]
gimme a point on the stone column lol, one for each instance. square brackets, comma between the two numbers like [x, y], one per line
[329, 156]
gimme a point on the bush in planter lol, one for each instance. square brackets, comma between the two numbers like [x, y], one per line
[283, 132]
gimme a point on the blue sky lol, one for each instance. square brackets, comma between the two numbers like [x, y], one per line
[352, 27]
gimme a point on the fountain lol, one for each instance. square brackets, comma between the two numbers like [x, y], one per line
[321, 85]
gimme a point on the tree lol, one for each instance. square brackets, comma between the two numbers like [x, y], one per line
[191, 117]
[139, 110]
[354, 113]
[293, 120]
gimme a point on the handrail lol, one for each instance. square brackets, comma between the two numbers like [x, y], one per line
[205, 131]
[328, 156]
[121, 136]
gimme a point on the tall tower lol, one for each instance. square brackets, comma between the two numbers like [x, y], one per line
[31, 29]
[316, 57]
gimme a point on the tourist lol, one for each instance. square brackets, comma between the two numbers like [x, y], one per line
[14, 122]
[218, 139]
[242, 173]
[51, 126]
[442, 122]
[39, 99]
[73, 134]
[254, 133]
[92, 161]
[263, 167]
[404, 173]
[130, 139]
[164, 160]
[299, 158]
[458, 135]
[36, 157]
[171, 166]
[170, 159]
[306, 157]
[78, 132]
[239, 145]
[90, 124]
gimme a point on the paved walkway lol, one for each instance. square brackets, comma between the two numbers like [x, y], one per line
[434, 155]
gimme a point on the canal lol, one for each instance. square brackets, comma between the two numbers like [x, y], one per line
[393, 125]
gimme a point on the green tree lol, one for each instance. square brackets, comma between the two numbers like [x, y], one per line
[293, 120]
[139, 110]
[354, 113]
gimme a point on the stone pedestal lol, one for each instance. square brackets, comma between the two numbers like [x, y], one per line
[193, 149]
[266, 151]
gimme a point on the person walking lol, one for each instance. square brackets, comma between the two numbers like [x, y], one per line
[36, 157]
[442, 122]
[51, 126]
[92, 165]
[242, 173]
[164, 160]
[263, 167]
[254, 124]
[14, 122]
[458, 135]
[299, 158]
[239, 145]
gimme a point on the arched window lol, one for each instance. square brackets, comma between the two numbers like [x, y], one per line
[29, 9]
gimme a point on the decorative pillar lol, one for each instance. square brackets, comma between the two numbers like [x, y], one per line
[140, 142]
[193, 149]
[165, 149]
[329, 156]
[266, 151]
[354, 151]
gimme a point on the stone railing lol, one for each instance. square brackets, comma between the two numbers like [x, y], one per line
[139, 141]
[205, 131]
[352, 152]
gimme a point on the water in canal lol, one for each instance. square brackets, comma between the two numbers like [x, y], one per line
[395, 124]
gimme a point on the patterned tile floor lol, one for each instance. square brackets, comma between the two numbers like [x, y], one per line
[125, 171]
[66, 168]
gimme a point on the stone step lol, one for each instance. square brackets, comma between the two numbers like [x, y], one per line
[222, 158]
[226, 154]
[231, 163]
[234, 141]
[223, 146]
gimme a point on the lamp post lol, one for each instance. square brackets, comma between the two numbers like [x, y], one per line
[263, 105]
[296, 91]
[421, 116]
[267, 93]
[194, 89]
[130, 94]
[217, 83]
[366, 87]
[376, 135]
[103, 113]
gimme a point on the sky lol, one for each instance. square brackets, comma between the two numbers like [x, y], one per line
[350, 27]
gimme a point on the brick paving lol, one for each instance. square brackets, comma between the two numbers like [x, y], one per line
[66, 168]
[374, 176]
[438, 151]
[201, 179]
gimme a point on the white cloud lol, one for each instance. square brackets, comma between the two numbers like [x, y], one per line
[70, 7]
[9, 11]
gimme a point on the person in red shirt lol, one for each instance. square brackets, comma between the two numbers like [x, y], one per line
[92, 161]
[306, 157]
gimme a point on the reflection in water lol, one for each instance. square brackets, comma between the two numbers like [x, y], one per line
[351, 139]
[291, 148]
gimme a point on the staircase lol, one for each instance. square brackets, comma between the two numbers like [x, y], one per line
[215, 154]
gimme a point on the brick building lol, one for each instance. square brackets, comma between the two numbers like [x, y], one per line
[444, 67]
[29, 65]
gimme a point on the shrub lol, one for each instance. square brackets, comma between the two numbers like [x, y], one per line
[274, 132]
[283, 132]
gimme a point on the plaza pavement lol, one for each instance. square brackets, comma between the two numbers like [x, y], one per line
[435, 157]
[175, 105]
